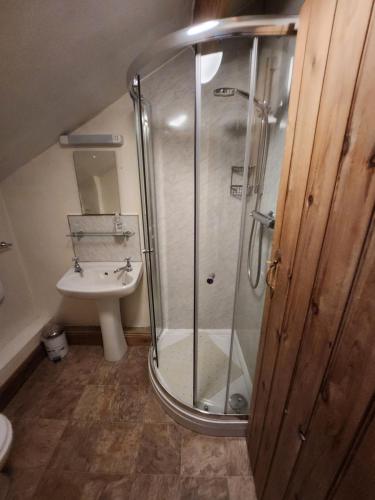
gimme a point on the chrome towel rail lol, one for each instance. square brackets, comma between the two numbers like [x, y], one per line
[4, 245]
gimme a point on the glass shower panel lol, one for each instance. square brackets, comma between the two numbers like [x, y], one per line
[170, 94]
[275, 63]
[222, 125]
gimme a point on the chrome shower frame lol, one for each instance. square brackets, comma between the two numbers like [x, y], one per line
[162, 51]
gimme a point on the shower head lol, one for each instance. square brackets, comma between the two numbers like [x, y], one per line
[230, 92]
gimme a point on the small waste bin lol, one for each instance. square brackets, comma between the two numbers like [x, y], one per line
[54, 340]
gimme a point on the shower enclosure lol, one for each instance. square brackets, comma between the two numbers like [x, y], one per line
[211, 105]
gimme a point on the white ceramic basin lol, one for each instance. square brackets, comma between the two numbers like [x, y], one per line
[99, 282]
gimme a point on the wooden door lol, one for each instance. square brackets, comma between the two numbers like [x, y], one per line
[302, 435]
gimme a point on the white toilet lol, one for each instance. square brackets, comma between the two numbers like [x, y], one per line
[6, 438]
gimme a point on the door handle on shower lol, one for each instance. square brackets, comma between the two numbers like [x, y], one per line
[271, 271]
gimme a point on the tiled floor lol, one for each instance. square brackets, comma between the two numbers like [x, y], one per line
[88, 429]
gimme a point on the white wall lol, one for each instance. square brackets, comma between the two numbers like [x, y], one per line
[38, 198]
[17, 309]
[19, 318]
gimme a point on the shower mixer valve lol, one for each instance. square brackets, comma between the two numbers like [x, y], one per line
[211, 278]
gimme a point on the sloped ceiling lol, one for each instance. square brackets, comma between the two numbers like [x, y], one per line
[62, 61]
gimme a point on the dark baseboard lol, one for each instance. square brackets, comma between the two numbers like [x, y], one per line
[19, 377]
[91, 335]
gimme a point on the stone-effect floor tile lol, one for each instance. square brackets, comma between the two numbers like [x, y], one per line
[74, 450]
[154, 487]
[63, 485]
[139, 352]
[116, 448]
[23, 483]
[154, 412]
[160, 450]
[237, 457]
[95, 403]
[134, 372]
[47, 372]
[118, 490]
[61, 404]
[241, 488]
[107, 373]
[104, 447]
[79, 366]
[35, 441]
[130, 370]
[45, 400]
[29, 400]
[111, 403]
[203, 456]
[129, 403]
[119, 444]
[205, 488]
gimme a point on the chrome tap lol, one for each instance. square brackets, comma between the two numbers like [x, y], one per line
[77, 267]
[127, 267]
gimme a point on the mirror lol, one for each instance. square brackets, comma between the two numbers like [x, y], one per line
[97, 182]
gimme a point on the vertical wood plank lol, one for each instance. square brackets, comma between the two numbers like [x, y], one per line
[358, 479]
[346, 393]
[343, 241]
[214, 9]
[321, 453]
[253, 442]
[317, 46]
[208, 9]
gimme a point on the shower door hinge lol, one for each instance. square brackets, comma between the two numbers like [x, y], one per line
[145, 250]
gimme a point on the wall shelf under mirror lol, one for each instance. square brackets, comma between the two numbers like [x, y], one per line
[81, 234]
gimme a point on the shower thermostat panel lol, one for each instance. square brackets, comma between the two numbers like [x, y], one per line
[88, 140]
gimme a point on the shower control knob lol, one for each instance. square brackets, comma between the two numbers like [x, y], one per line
[211, 278]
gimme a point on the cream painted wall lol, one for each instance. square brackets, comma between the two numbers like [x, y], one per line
[20, 321]
[17, 308]
[39, 196]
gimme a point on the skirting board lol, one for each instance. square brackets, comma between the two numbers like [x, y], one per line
[19, 377]
[91, 335]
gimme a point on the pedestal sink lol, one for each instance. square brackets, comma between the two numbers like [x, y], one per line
[99, 282]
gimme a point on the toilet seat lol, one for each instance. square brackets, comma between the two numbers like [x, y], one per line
[6, 437]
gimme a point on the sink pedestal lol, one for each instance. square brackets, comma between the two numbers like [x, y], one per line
[112, 333]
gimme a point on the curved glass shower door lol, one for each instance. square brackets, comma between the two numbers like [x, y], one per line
[274, 73]
[168, 97]
[210, 128]
[224, 118]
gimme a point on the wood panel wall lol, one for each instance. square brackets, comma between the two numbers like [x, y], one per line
[313, 404]
[216, 9]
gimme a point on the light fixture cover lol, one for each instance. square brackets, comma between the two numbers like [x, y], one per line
[210, 64]
[88, 140]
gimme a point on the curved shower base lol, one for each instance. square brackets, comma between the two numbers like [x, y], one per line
[194, 419]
